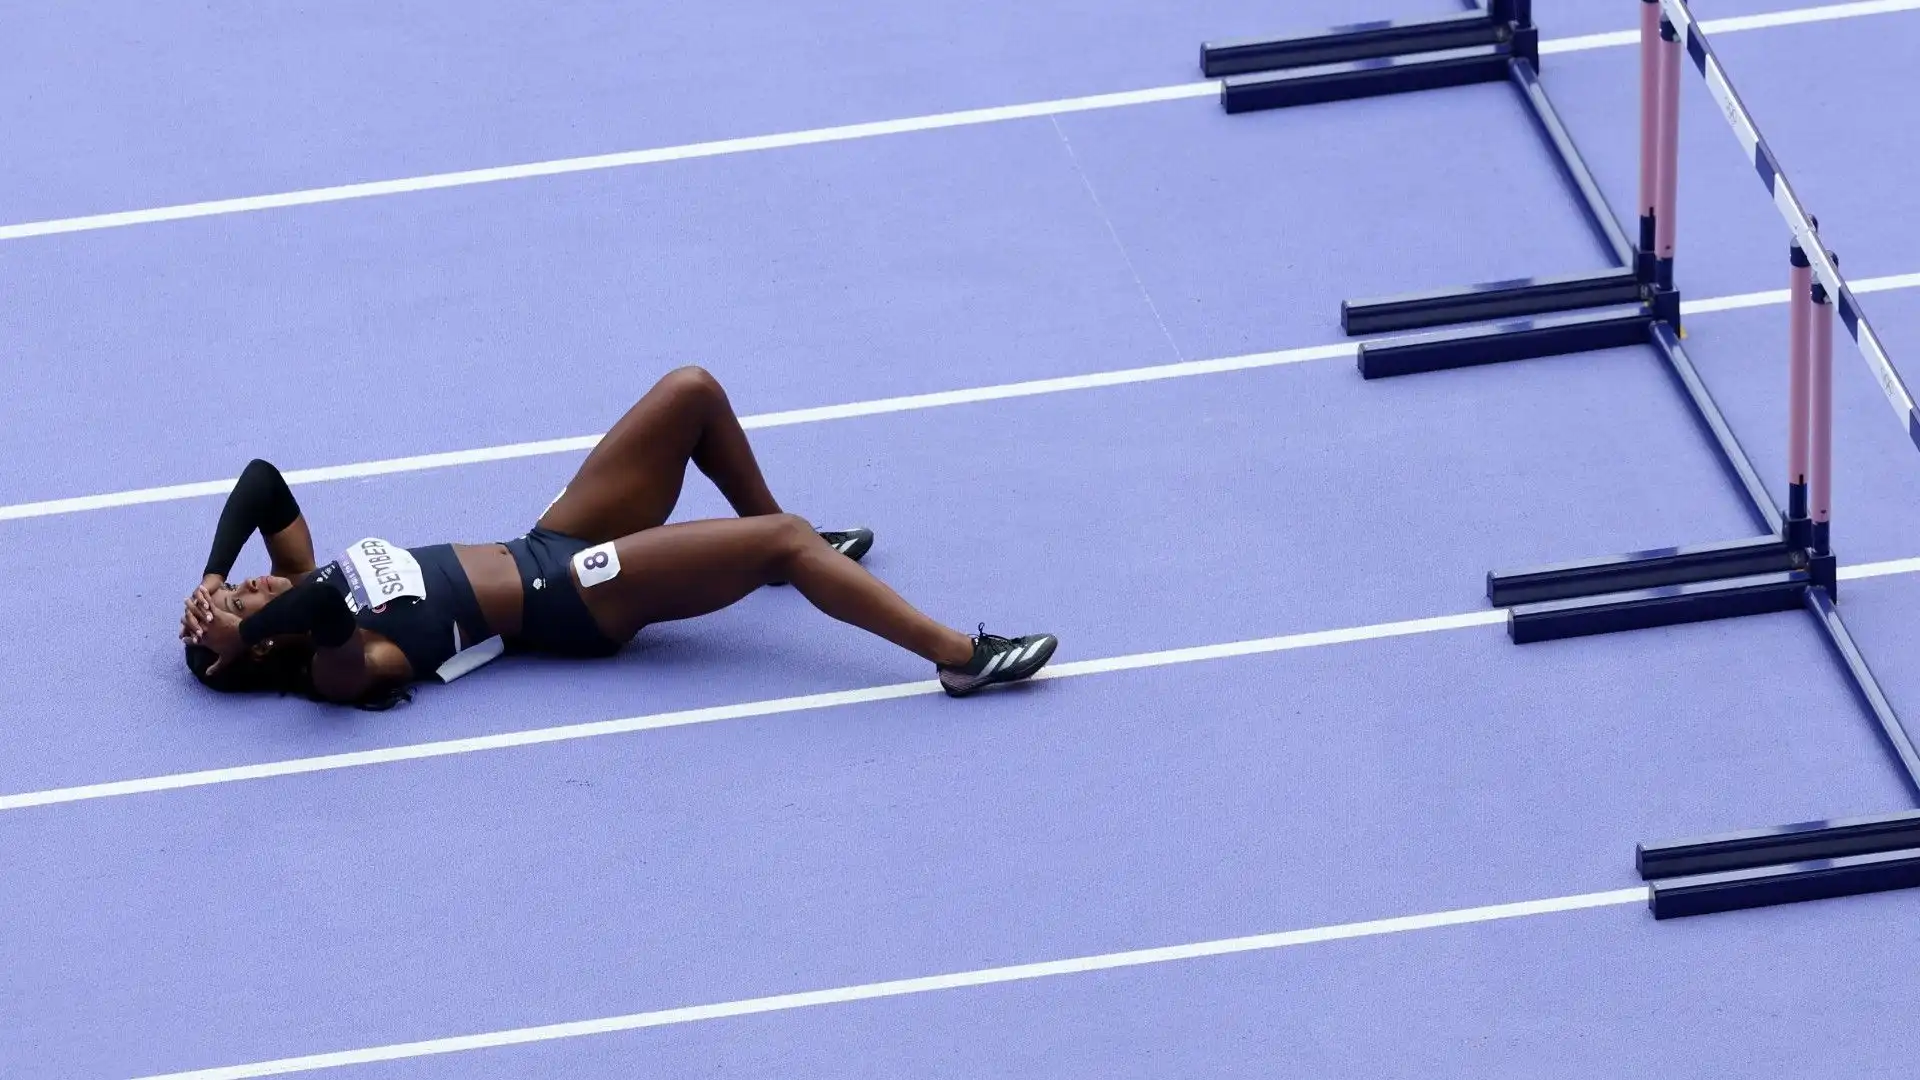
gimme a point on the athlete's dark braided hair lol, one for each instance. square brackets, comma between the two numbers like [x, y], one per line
[287, 668]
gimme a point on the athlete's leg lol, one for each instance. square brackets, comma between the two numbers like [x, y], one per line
[693, 568]
[632, 478]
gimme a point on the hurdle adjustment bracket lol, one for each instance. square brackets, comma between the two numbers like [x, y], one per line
[1665, 305]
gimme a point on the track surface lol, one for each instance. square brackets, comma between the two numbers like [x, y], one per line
[1287, 785]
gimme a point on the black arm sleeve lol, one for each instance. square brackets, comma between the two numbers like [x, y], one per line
[260, 501]
[313, 606]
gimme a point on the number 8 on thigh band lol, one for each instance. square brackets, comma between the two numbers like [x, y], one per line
[596, 564]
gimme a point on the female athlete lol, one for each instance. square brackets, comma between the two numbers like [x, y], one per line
[600, 564]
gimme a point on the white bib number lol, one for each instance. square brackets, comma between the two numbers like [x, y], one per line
[379, 573]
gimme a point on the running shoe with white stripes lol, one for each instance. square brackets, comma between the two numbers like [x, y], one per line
[997, 660]
[853, 543]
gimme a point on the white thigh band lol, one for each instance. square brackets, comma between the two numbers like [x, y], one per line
[596, 564]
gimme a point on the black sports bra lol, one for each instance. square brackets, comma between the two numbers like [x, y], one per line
[419, 599]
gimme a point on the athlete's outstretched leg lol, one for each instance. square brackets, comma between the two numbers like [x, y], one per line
[694, 568]
[631, 480]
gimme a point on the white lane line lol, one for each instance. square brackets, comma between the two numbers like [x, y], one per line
[1313, 639]
[1801, 16]
[597, 162]
[1777, 297]
[1880, 569]
[817, 136]
[713, 714]
[1734, 24]
[842, 995]
[820, 414]
[582, 443]
[357, 470]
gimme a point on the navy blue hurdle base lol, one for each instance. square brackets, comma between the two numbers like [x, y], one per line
[1499, 343]
[1345, 44]
[1493, 300]
[1814, 860]
[1793, 883]
[1805, 842]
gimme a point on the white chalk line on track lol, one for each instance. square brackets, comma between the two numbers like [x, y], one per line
[713, 714]
[818, 136]
[820, 414]
[842, 995]
[149, 785]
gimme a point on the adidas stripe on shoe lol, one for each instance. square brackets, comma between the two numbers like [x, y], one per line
[853, 543]
[998, 660]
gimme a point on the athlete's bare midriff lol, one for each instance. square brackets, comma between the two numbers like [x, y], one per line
[495, 579]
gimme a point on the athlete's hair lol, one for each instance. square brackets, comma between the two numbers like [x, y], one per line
[287, 668]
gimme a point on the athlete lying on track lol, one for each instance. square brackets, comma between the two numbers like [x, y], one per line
[598, 566]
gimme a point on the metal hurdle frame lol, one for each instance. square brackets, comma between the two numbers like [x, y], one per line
[1494, 42]
[1812, 860]
[1791, 564]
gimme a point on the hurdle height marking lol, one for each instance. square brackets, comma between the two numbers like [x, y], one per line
[1820, 420]
[1666, 53]
[1799, 387]
[1649, 132]
[1793, 213]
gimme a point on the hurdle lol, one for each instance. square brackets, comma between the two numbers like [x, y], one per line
[1494, 43]
[1790, 565]
[1809, 860]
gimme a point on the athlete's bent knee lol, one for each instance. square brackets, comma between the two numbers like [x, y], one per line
[693, 383]
[789, 536]
[793, 532]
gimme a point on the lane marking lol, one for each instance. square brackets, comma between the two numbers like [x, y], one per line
[1880, 569]
[714, 714]
[818, 136]
[1311, 639]
[842, 995]
[788, 418]
[598, 162]
[1777, 297]
[1734, 24]
[821, 414]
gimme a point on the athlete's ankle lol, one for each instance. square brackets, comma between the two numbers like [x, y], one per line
[955, 652]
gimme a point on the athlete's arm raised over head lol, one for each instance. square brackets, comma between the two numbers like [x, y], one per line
[262, 501]
[268, 615]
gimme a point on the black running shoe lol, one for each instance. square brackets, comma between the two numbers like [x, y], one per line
[853, 543]
[998, 660]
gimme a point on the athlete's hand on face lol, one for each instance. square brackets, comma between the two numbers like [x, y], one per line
[221, 633]
[200, 607]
